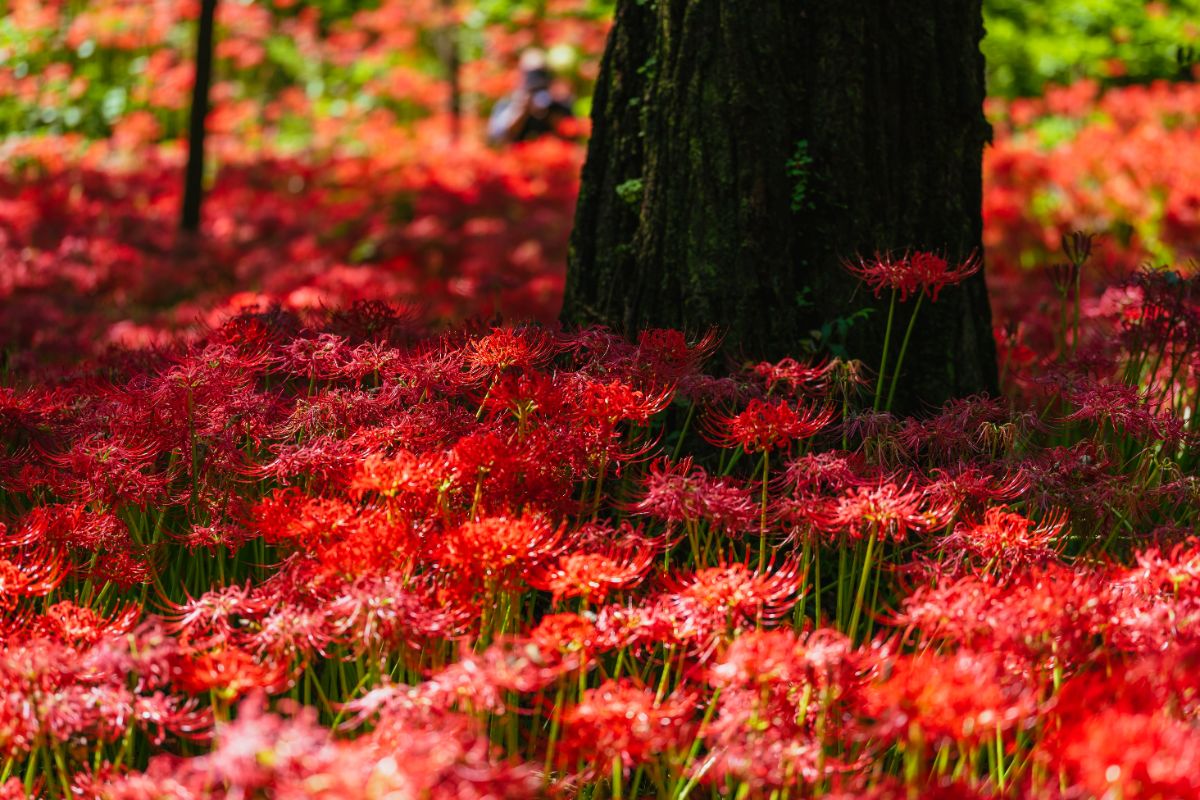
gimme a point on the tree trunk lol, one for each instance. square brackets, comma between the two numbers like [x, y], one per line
[452, 63]
[689, 214]
[193, 185]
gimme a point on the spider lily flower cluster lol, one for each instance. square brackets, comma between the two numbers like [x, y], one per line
[310, 553]
[322, 555]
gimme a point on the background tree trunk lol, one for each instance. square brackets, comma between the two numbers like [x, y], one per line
[193, 186]
[686, 214]
[452, 63]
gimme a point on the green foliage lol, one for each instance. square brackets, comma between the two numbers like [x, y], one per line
[88, 86]
[831, 337]
[630, 191]
[798, 168]
[1031, 44]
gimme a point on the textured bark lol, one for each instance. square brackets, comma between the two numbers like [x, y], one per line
[685, 216]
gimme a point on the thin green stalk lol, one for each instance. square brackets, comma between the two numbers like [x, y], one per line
[599, 489]
[852, 629]
[805, 568]
[999, 770]
[762, 526]
[681, 791]
[887, 343]
[556, 720]
[843, 602]
[903, 349]
[683, 433]
[1075, 321]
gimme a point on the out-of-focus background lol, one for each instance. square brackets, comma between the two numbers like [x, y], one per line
[337, 171]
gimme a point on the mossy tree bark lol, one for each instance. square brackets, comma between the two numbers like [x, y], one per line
[689, 216]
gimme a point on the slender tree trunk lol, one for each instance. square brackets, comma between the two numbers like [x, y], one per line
[452, 62]
[193, 187]
[689, 214]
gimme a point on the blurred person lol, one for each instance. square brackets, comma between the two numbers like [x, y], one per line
[534, 109]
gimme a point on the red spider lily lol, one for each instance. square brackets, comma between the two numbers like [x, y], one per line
[383, 615]
[936, 788]
[805, 686]
[212, 619]
[1049, 615]
[28, 572]
[604, 404]
[1078, 477]
[931, 699]
[1134, 753]
[376, 321]
[735, 593]
[231, 673]
[964, 429]
[75, 526]
[1125, 408]
[504, 348]
[1005, 540]
[1155, 606]
[827, 472]
[77, 625]
[323, 460]
[564, 637]
[14, 788]
[426, 753]
[500, 548]
[920, 272]
[668, 355]
[592, 576]
[765, 425]
[497, 478]
[792, 376]
[888, 511]
[706, 390]
[620, 721]
[526, 397]
[349, 539]
[681, 492]
[321, 357]
[330, 411]
[159, 714]
[966, 485]
[56, 693]
[165, 428]
[932, 272]
[293, 630]
[602, 536]
[481, 681]
[879, 433]
[782, 659]
[99, 470]
[442, 757]
[1177, 573]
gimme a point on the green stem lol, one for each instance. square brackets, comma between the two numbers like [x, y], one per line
[852, 629]
[903, 349]
[683, 433]
[887, 343]
[762, 526]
